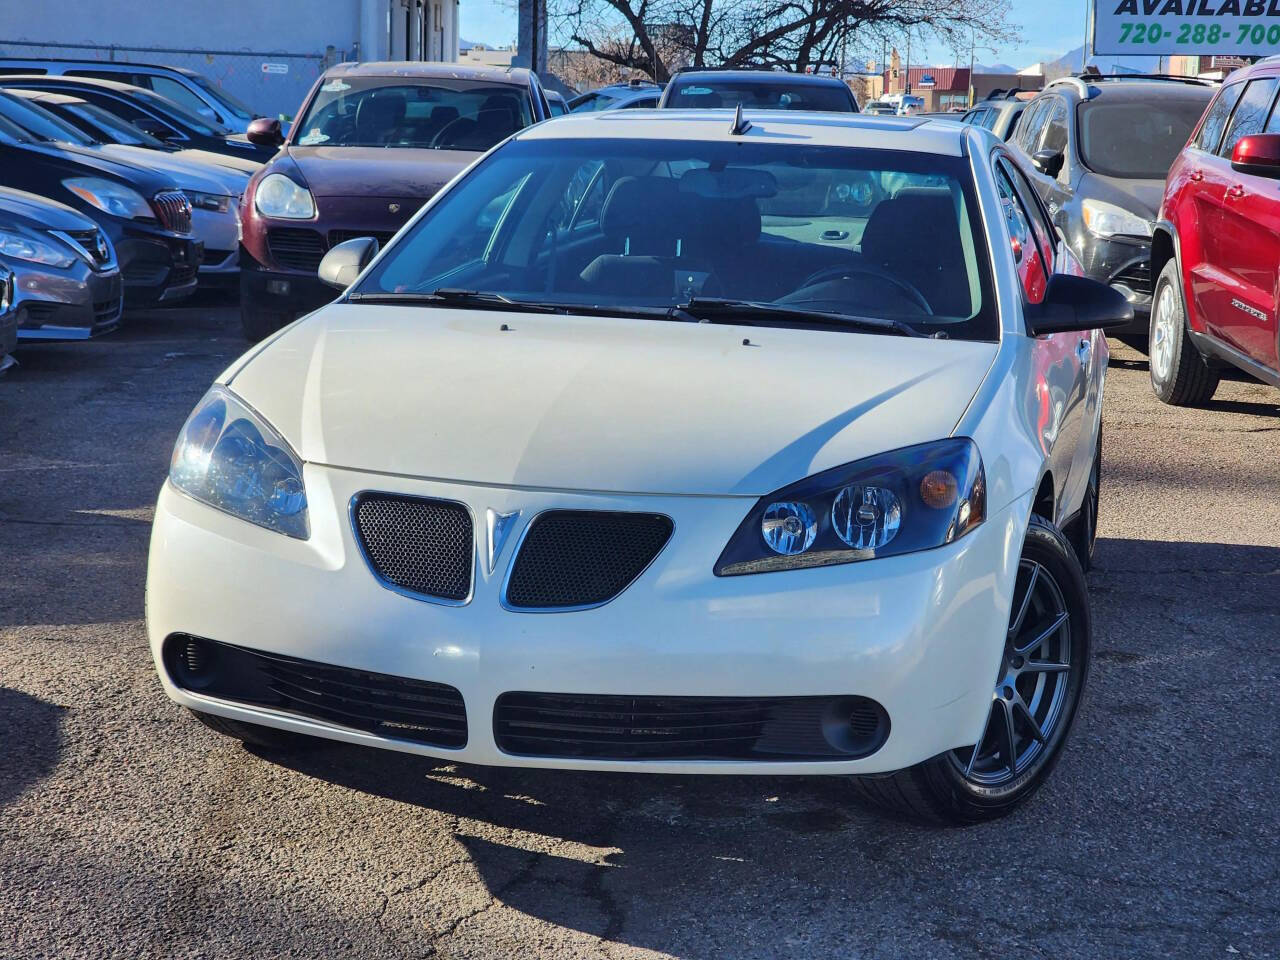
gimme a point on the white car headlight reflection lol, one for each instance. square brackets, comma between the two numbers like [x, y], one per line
[230, 458]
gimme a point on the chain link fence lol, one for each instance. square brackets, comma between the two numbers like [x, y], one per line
[270, 82]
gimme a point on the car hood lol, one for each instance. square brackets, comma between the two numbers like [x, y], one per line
[40, 213]
[189, 174]
[1138, 196]
[641, 406]
[377, 171]
[95, 160]
[245, 165]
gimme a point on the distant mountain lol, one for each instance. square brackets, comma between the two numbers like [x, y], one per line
[471, 45]
[1069, 63]
[994, 68]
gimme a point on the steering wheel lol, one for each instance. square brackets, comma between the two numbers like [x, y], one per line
[846, 271]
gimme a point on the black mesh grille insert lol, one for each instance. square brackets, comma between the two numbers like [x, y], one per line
[377, 703]
[295, 248]
[688, 728]
[1136, 276]
[419, 545]
[575, 558]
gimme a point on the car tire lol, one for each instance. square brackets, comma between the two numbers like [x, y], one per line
[258, 324]
[1180, 375]
[957, 787]
[255, 735]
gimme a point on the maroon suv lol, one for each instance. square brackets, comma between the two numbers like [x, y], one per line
[372, 143]
[1216, 249]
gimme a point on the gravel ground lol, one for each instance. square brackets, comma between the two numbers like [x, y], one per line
[129, 830]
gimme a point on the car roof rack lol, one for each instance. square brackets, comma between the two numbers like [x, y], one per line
[1161, 77]
[1076, 83]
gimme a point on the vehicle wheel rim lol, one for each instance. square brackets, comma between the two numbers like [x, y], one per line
[1162, 334]
[1027, 704]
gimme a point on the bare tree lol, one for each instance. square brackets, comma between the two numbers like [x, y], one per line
[655, 37]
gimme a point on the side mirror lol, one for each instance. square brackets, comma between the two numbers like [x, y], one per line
[1078, 303]
[342, 264]
[1048, 162]
[265, 132]
[1258, 155]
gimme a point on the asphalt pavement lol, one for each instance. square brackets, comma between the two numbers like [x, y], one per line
[129, 830]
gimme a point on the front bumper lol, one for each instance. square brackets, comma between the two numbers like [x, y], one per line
[920, 634]
[158, 269]
[1125, 265]
[282, 291]
[220, 234]
[75, 303]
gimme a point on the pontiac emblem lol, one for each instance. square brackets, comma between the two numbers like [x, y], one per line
[499, 526]
[393, 207]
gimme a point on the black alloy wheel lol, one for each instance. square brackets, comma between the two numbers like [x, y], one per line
[1039, 681]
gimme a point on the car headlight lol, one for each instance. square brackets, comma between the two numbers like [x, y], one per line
[1107, 220]
[229, 457]
[912, 499]
[113, 198]
[21, 247]
[208, 201]
[278, 196]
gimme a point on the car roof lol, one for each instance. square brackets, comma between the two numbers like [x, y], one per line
[797, 127]
[1133, 87]
[44, 96]
[23, 79]
[431, 71]
[121, 65]
[763, 77]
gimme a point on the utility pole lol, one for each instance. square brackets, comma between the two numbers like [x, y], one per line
[906, 89]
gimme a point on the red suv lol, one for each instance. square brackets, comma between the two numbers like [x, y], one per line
[1216, 249]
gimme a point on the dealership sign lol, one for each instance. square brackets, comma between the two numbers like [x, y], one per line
[1248, 28]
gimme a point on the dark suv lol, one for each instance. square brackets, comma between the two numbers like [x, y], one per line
[1099, 149]
[373, 142]
[758, 90]
[1216, 252]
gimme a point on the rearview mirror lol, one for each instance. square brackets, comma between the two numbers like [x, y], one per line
[1048, 162]
[1078, 303]
[341, 265]
[1258, 155]
[265, 132]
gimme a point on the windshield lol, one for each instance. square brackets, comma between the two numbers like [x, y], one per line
[438, 114]
[764, 93]
[590, 102]
[206, 128]
[217, 93]
[40, 123]
[1137, 139]
[110, 126]
[643, 226]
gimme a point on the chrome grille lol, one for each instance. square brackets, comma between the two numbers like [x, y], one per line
[94, 244]
[418, 545]
[173, 210]
[581, 558]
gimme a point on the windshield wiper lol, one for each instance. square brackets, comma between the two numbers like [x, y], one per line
[452, 297]
[718, 310]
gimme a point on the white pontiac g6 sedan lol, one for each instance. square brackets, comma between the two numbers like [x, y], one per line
[674, 442]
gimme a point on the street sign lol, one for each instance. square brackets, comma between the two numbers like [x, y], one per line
[1247, 28]
[275, 68]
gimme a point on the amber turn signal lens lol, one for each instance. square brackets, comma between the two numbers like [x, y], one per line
[938, 489]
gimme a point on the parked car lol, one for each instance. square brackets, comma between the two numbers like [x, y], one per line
[146, 218]
[880, 108]
[757, 90]
[888, 559]
[556, 102]
[909, 106]
[193, 91]
[1216, 249]
[999, 114]
[8, 317]
[67, 283]
[157, 115]
[635, 94]
[1098, 150]
[373, 142]
[105, 127]
[214, 191]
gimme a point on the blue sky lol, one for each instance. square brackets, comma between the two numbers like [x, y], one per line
[1049, 29]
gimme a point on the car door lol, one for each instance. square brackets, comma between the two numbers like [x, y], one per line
[1055, 135]
[1208, 181]
[1247, 236]
[1062, 363]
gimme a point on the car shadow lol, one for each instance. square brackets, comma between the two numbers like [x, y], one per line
[30, 742]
